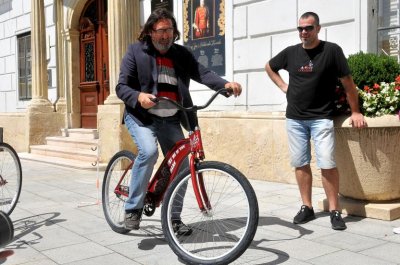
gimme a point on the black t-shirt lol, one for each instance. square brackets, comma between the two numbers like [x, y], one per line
[313, 75]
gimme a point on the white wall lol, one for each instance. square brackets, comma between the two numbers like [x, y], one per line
[15, 20]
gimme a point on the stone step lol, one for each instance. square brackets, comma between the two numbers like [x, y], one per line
[81, 143]
[76, 148]
[65, 152]
[80, 133]
[59, 161]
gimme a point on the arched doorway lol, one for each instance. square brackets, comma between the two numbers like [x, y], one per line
[94, 73]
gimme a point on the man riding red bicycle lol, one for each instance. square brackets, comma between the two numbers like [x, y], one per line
[152, 67]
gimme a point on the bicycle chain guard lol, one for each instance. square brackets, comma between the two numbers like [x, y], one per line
[162, 181]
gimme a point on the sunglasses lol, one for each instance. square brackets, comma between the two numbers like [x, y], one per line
[306, 28]
[160, 32]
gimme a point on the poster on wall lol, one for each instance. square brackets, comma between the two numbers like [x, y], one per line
[204, 32]
[162, 4]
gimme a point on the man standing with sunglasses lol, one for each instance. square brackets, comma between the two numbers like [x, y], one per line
[314, 67]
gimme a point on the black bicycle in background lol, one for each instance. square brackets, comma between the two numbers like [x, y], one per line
[10, 188]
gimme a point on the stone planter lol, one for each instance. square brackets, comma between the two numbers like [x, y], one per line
[368, 161]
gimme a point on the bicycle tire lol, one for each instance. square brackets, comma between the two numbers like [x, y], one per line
[6, 229]
[224, 234]
[113, 205]
[10, 178]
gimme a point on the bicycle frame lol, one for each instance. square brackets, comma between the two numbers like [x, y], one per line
[192, 146]
[169, 168]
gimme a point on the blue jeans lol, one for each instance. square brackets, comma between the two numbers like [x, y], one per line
[166, 131]
[322, 133]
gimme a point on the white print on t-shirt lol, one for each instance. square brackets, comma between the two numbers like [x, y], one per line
[307, 68]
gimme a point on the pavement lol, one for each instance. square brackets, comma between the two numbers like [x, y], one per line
[59, 220]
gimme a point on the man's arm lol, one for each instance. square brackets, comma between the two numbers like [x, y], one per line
[356, 119]
[276, 78]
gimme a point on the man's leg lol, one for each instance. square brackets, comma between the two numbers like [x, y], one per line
[323, 134]
[304, 181]
[142, 169]
[330, 182]
[299, 146]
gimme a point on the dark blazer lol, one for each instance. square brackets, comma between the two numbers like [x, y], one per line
[139, 74]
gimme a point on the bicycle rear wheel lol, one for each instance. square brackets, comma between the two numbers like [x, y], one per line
[118, 169]
[224, 232]
[10, 178]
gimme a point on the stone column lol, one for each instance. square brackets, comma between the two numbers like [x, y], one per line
[71, 76]
[42, 120]
[123, 26]
[61, 105]
[39, 100]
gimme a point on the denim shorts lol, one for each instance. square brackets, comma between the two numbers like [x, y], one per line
[322, 132]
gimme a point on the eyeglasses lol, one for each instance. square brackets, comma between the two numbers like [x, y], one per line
[306, 28]
[161, 32]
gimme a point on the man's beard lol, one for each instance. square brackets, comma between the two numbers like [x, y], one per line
[162, 47]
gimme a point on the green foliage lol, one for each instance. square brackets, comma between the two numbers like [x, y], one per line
[368, 69]
[378, 81]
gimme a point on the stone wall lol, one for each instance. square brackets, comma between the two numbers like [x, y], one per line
[14, 129]
[255, 143]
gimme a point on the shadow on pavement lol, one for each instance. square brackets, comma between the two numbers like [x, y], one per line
[155, 238]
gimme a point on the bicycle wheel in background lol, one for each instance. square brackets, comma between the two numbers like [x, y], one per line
[6, 229]
[222, 234]
[114, 204]
[10, 178]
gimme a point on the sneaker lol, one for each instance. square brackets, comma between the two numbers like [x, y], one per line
[337, 221]
[181, 229]
[304, 215]
[132, 219]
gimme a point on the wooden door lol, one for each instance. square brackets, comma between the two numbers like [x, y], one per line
[94, 74]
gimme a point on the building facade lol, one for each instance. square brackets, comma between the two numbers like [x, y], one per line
[59, 64]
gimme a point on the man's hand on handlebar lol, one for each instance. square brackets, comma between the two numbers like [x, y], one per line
[146, 100]
[233, 88]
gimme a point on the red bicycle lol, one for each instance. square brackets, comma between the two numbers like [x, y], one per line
[219, 204]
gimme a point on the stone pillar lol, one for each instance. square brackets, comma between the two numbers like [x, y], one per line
[72, 77]
[61, 105]
[42, 121]
[39, 100]
[123, 26]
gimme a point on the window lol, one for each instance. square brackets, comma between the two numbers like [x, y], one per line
[24, 67]
[389, 28]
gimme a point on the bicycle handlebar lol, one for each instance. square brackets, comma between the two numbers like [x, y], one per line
[194, 107]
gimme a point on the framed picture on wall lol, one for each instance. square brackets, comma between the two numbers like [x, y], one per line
[204, 32]
[168, 4]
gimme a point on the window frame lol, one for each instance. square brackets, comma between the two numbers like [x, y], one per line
[24, 93]
[384, 28]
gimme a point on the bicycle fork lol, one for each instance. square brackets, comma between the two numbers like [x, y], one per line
[197, 178]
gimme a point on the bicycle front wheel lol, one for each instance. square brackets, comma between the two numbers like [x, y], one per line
[117, 178]
[10, 178]
[223, 232]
